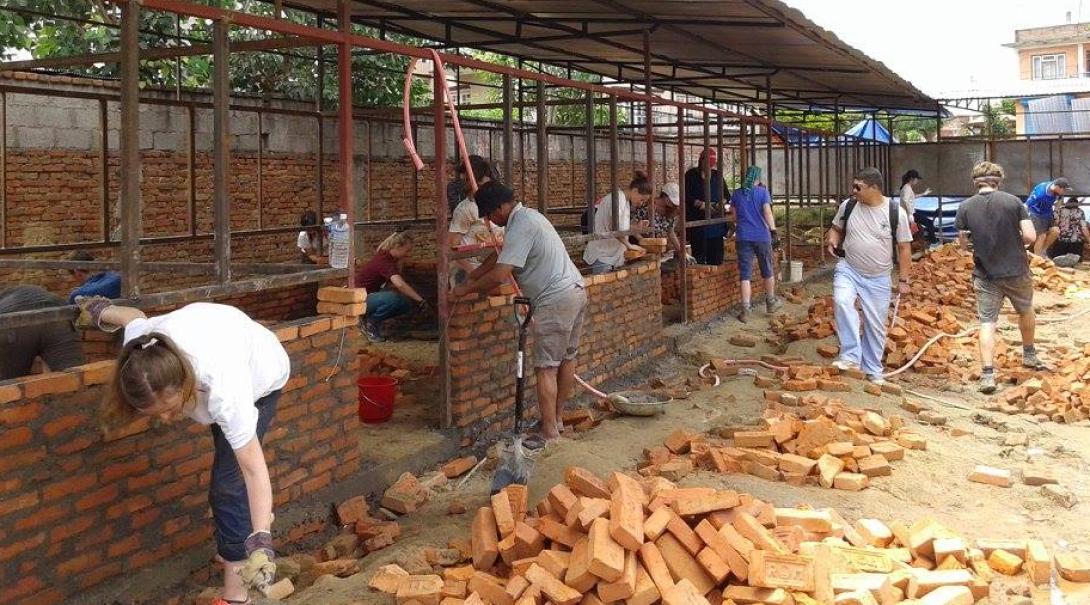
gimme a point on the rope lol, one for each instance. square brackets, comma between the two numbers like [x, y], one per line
[411, 148]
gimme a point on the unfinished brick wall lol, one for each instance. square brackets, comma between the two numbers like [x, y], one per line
[78, 506]
[623, 329]
[712, 290]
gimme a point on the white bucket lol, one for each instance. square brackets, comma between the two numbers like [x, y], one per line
[796, 271]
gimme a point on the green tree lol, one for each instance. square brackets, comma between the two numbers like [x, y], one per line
[292, 74]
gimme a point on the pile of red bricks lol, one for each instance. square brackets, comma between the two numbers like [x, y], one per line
[643, 541]
[807, 439]
[1059, 396]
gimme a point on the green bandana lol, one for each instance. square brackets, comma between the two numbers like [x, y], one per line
[753, 174]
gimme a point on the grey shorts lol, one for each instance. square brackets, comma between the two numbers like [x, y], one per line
[1041, 224]
[991, 292]
[558, 327]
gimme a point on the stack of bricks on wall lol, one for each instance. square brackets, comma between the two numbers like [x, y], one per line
[645, 541]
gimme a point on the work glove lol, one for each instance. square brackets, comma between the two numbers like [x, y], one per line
[423, 306]
[90, 313]
[775, 240]
[259, 569]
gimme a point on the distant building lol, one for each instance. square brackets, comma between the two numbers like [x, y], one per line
[1054, 70]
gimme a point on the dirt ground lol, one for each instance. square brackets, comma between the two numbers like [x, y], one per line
[929, 483]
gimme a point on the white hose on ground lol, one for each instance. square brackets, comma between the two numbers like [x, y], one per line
[938, 337]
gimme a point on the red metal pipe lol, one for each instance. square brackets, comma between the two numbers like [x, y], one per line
[335, 37]
[346, 134]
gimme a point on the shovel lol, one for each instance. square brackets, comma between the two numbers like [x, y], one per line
[516, 460]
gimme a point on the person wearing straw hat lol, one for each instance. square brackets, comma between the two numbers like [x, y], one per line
[666, 205]
[755, 239]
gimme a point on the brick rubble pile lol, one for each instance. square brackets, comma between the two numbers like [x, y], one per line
[642, 541]
[802, 440]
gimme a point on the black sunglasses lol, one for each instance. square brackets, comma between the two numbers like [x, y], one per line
[857, 187]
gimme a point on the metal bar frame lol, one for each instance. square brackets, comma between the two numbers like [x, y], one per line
[221, 150]
[130, 150]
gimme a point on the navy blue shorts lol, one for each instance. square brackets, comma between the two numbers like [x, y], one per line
[747, 251]
[227, 495]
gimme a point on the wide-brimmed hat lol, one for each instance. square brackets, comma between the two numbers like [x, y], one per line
[673, 193]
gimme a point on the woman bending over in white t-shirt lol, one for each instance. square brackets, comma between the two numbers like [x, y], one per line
[220, 368]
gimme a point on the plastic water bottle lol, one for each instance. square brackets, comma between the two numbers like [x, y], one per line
[338, 242]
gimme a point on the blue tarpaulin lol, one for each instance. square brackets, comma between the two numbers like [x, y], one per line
[871, 130]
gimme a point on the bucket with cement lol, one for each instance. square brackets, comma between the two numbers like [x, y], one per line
[796, 271]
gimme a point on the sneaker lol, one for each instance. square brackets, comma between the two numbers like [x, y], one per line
[987, 383]
[372, 332]
[1030, 360]
[743, 314]
[844, 365]
[773, 304]
[876, 379]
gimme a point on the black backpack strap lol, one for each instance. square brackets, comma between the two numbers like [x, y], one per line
[848, 207]
[894, 222]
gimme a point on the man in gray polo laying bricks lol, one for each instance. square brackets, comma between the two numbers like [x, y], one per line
[534, 253]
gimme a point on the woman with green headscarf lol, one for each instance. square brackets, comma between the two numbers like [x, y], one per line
[756, 232]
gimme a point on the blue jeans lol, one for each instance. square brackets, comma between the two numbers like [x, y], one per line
[600, 268]
[747, 251]
[384, 304]
[873, 294]
[227, 494]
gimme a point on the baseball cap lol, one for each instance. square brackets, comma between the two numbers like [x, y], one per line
[673, 193]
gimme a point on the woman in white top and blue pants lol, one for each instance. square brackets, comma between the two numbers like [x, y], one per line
[217, 366]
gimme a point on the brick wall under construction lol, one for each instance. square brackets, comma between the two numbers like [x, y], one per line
[623, 329]
[79, 506]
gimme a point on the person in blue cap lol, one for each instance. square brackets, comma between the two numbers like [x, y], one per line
[1041, 205]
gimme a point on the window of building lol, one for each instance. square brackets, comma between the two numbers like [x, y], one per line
[1049, 67]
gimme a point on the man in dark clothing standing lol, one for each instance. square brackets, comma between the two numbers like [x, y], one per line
[1000, 229]
[707, 241]
[57, 343]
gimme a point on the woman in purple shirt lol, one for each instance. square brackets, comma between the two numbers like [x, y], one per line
[755, 238]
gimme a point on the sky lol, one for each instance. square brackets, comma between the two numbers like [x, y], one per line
[944, 47]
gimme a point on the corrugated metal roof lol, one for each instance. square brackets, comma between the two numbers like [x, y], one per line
[721, 50]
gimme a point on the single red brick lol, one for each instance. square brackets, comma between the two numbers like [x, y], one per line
[100, 574]
[41, 516]
[63, 424]
[16, 437]
[97, 498]
[121, 470]
[123, 547]
[79, 563]
[69, 485]
[77, 444]
[99, 372]
[23, 587]
[9, 393]
[71, 528]
[20, 414]
[52, 383]
[21, 459]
